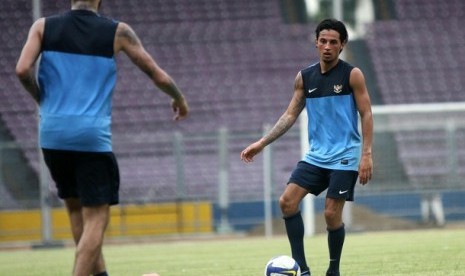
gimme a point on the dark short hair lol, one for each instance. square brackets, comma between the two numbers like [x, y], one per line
[333, 24]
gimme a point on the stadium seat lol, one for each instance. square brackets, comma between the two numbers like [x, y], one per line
[235, 61]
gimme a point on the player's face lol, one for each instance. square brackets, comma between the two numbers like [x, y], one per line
[329, 45]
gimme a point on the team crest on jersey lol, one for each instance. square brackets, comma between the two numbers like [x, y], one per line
[338, 88]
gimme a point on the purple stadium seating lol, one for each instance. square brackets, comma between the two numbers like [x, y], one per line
[235, 61]
[429, 9]
[420, 59]
[425, 66]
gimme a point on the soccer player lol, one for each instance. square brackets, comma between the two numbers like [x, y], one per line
[76, 78]
[333, 92]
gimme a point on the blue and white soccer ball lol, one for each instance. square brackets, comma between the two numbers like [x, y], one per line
[282, 266]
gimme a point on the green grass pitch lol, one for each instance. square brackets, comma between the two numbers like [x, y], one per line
[425, 252]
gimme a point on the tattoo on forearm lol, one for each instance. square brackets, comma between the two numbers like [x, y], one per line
[286, 121]
[172, 90]
[143, 61]
[144, 67]
[283, 125]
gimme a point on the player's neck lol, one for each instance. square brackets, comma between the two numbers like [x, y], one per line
[83, 5]
[327, 66]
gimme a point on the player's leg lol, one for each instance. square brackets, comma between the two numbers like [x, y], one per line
[289, 204]
[73, 205]
[98, 184]
[333, 212]
[74, 208]
[336, 232]
[100, 268]
[89, 248]
[341, 189]
[305, 178]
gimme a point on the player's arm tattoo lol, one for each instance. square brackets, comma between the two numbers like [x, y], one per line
[286, 121]
[283, 125]
[172, 90]
[130, 37]
[145, 63]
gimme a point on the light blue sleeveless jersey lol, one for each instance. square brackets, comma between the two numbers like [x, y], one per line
[77, 75]
[334, 140]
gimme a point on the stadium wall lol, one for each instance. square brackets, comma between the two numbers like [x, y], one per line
[399, 206]
[125, 220]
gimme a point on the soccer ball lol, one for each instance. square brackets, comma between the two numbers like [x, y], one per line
[282, 266]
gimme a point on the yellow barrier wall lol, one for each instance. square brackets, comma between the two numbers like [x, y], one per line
[127, 220]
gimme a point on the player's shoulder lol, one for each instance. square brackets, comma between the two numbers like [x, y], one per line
[310, 69]
[356, 77]
[123, 26]
[350, 68]
[124, 32]
[312, 66]
[108, 19]
[345, 65]
[354, 72]
[39, 22]
[38, 26]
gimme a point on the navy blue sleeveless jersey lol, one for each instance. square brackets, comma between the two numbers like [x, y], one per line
[77, 75]
[334, 140]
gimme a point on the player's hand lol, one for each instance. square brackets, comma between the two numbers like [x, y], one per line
[248, 153]
[180, 108]
[365, 169]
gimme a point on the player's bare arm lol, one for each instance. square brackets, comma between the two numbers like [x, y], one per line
[289, 117]
[29, 54]
[362, 98]
[127, 41]
[284, 123]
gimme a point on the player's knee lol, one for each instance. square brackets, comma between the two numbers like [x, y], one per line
[330, 215]
[288, 207]
[333, 218]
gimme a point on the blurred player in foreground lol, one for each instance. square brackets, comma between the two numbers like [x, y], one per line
[76, 78]
[333, 92]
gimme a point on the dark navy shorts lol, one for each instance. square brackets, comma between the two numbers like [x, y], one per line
[340, 183]
[93, 177]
